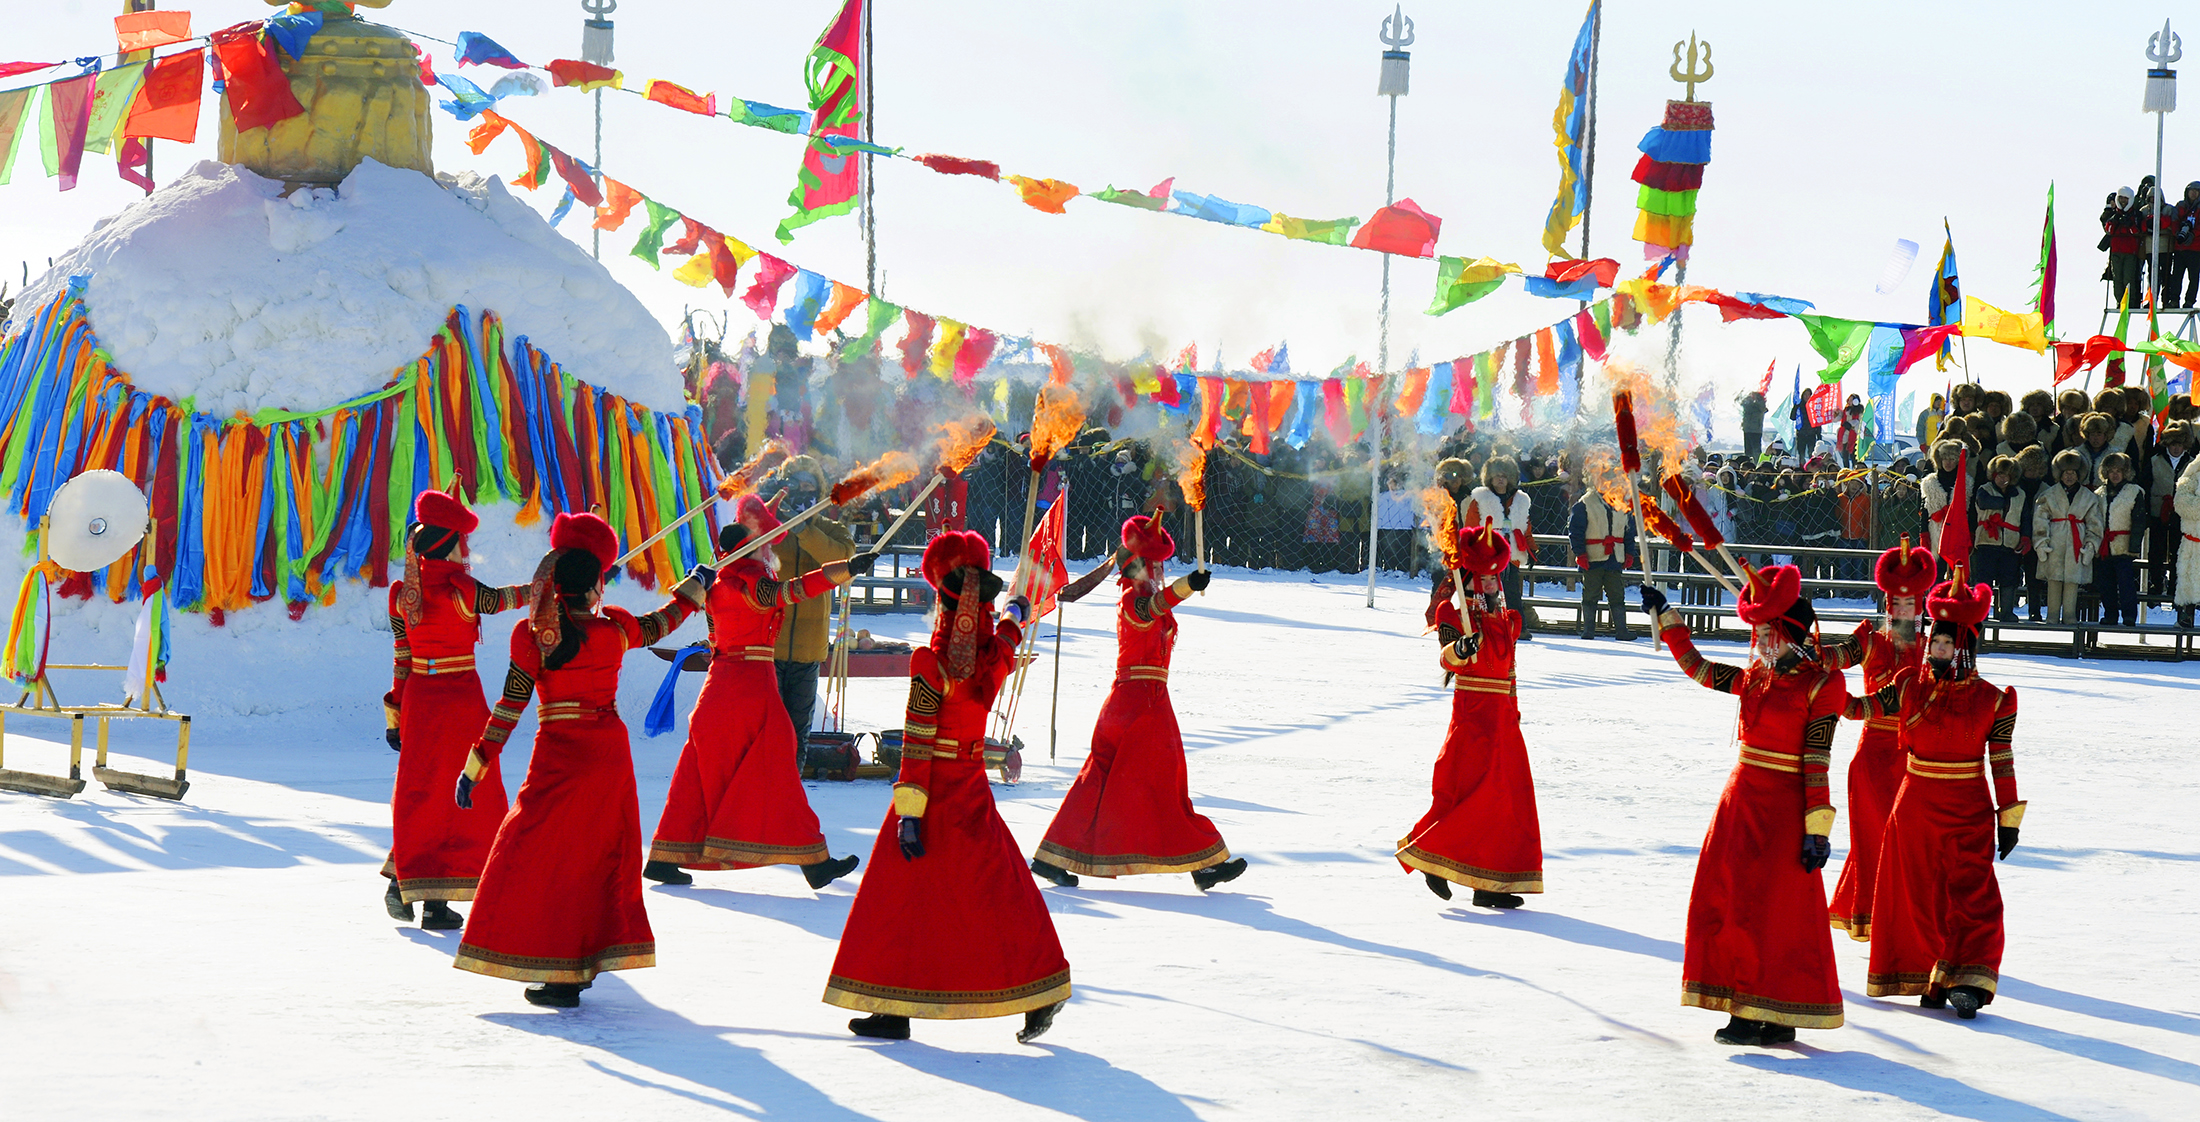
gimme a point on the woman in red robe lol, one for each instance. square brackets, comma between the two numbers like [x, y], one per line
[1940, 922]
[1758, 945]
[946, 924]
[561, 897]
[736, 800]
[433, 709]
[1130, 810]
[1481, 829]
[1884, 650]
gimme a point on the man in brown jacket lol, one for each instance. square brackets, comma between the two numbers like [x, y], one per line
[805, 630]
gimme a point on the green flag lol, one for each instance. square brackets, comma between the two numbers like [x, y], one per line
[1839, 341]
[1460, 282]
[661, 219]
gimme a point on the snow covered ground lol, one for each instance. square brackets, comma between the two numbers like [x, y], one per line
[228, 957]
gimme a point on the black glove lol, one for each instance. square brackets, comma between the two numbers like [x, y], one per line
[1463, 647]
[390, 735]
[703, 575]
[912, 838]
[860, 564]
[1198, 579]
[465, 793]
[2005, 839]
[1653, 601]
[1889, 698]
[1816, 851]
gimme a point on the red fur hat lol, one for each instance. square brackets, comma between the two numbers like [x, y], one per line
[1147, 539]
[444, 512]
[1906, 570]
[1483, 552]
[765, 514]
[586, 531]
[953, 550]
[1961, 604]
[1771, 593]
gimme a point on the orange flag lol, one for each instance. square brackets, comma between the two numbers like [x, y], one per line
[142, 31]
[1044, 194]
[619, 201]
[167, 104]
[844, 301]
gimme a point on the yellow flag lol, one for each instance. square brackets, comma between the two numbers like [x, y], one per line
[1982, 320]
[943, 351]
[696, 273]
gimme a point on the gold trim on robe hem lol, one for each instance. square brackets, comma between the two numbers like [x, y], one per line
[1142, 674]
[864, 997]
[432, 666]
[521, 968]
[417, 889]
[740, 854]
[1794, 1014]
[1130, 864]
[1858, 928]
[1942, 769]
[1772, 759]
[1488, 880]
[1943, 977]
[1485, 685]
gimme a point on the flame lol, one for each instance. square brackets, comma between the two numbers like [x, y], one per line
[960, 442]
[1442, 516]
[1692, 509]
[1192, 474]
[1600, 473]
[1054, 424]
[743, 478]
[1654, 412]
[890, 470]
[1663, 525]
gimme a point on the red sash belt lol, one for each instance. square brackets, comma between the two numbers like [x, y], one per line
[2077, 539]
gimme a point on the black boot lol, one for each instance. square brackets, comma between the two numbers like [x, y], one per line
[1037, 1022]
[1439, 886]
[1484, 898]
[1048, 871]
[881, 1026]
[2184, 618]
[1932, 1001]
[436, 915]
[394, 903]
[665, 872]
[1775, 1034]
[557, 995]
[1213, 875]
[822, 873]
[1740, 1031]
[1966, 1000]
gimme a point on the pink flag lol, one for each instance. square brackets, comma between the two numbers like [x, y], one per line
[763, 293]
[71, 103]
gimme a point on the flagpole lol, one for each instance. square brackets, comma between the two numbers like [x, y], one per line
[1397, 35]
[1589, 138]
[867, 178]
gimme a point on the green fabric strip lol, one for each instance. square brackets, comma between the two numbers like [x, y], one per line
[661, 219]
[14, 108]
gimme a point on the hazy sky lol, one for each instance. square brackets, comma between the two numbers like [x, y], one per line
[1841, 128]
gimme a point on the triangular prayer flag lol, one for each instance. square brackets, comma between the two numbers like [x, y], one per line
[917, 341]
[878, 316]
[1460, 282]
[480, 50]
[810, 291]
[167, 103]
[844, 300]
[585, 76]
[1044, 194]
[652, 240]
[619, 202]
[576, 177]
[1839, 341]
[976, 350]
[945, 347]
[957, 165]
[694, 272]
[763, 293]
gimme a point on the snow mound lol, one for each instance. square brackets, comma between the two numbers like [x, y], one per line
[218, 287]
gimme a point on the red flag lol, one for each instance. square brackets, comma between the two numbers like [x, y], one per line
[258, 90]
[825, 185]
[1403, 228]
[1825, 404]
[1955, 518]
[1043, 570]
[167, 105]
[131, 161]
[1765, 385]
[681, 97]
[2068, 357]
[576, 179]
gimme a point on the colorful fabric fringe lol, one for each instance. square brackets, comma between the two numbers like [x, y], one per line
[1670, 172]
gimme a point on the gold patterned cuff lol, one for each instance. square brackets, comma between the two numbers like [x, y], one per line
[389, 715]
[476, 767]
[1818, 820]
[2011, 816]
[909, 800]
[1668, 619]
[1182, 586]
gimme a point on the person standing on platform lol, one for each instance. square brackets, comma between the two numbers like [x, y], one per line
[1940, 933]
[804, 636]
[736, 799]
[561, 895]
[2067, 521]
[1884, 650]
[434, 708]
[947, 925]
[1130, 810]
[1758, 946]
[1481, 829]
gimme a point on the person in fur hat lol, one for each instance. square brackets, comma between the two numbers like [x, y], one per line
[1758, 946]
[2018, 432]
[1938, 932]
[2123, 533]
[432, 711]
[1884, 649]
[1130, 810]
[947, 924]
[1481, 829]
[2067, 523]
[2096, 439]
[2071, 406]
[2165, 528]
[561, 895]
[2000, 543]
[736, 798]
[1502, 503]
[2032, 464]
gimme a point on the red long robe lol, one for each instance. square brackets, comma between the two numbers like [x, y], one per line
[1874, 775]
[561, 897]
[962, 931]
[1940, 919]
[1481, 828]
[1758, 945]
[436, 849]
[736, 800]
[1130, 810]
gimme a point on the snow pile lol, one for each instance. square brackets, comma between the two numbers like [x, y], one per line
[218, 287]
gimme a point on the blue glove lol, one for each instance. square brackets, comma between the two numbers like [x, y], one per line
[1816, 851]
[912, 838]
[703, 575]
[465, 793]
[390, 735]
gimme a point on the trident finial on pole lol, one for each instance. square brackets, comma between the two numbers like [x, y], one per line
[1692, 76]
[2165, 46]
[1398, 30]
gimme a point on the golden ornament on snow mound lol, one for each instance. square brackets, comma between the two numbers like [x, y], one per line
[360, 85]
